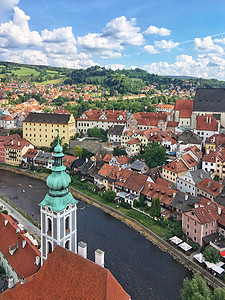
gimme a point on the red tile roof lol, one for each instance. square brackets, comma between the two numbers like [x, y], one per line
[189, 160]
[68, 160]
[107, 157]
[210, 157]
[31, 153]
[133, 141]
[208, 123]
[207, 214]
[176, 166]
[66, 275]
[149, 118]
[18, 144]
[217, 139]
[210, 186]
[23, 259]
[153, 190]
[183, 105]
[111, 115]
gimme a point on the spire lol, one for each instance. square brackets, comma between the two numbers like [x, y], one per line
[58, 182]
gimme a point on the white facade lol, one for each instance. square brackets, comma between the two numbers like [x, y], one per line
[186, 184]
[58, 229]
[204, 134]
[209, 166]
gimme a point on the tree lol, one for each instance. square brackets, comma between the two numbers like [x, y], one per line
[195, 289]
[155, 209]
[109, 196]
[155, 155]
[77, 151]
[119, 151]
[55, 142]
[211, 254]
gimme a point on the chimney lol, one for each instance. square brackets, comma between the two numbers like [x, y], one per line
[37, 261]
[201, 175]
[17, 230]
[207, 151]
[210, 119]
[11, 142]
[82, 249]
[196, 205]
[10, 282]
[99, 257]
[18, 143]
[207, 120]
[6, 221]
[24, 242]
[186, 196]
[219, 210]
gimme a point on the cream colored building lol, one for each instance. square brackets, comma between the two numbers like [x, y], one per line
[15, 149]
[41, 128]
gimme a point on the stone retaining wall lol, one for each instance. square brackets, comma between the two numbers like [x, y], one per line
[151, 236]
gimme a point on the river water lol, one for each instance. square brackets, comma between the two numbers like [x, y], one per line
[144, 271]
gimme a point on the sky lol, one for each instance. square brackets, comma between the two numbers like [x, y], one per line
[164, 37]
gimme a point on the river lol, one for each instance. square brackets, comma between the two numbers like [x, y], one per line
[144, 271]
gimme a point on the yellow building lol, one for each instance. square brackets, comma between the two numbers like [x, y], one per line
[174, 169]
[220, 164]
[15, 149]
[133, 147]
[41, 128]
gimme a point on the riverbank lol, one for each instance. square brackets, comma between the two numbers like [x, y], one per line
[163, 245]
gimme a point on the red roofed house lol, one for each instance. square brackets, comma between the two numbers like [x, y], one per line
[100, 118]
[209, 188]
[182, 112]
[207, 126]
[174, 169]
[200, 222]
[215, 141]
[18, 256]
[66, 275]
[120, 161]
[15, 149]
[147, 120]
[7, 122]
[133, 147]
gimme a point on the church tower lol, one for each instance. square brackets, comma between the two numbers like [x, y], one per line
[58, 210]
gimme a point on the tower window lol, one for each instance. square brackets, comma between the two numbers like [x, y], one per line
[49, 231]
[67, 245]
[49, 248]
[67, 225]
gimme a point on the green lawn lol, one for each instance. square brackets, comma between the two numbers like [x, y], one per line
[23, 71]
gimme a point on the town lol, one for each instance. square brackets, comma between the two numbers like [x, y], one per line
[167, 164]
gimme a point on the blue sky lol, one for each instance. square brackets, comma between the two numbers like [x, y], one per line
[165, 37]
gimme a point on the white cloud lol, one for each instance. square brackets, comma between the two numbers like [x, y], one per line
[34, 57]
[165, 45]
[161, 46]
[59, 35]
[150, 49]
[206, 66]
[80, 62]
[16, 33]
[115, 66]
[99, 45]
[124, 31]
[207, 44]
[159, 31]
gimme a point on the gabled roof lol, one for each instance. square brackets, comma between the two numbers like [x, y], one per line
[217, 139]
[68, 160]
[210, 186]
[153, 190]
[133, 141]
[23, 259]
[209, 100]
[189, 160]
[47, 118]
[66, 275]
[18, 143]
[189, 137]
[116, 130]
[207, 123]
[183, 105]
[176, 166]
[207, 213]
[31, 153]
[184, 202]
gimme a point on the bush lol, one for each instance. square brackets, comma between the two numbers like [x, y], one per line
[125, 205]
[5, 212]
[211, 255]
[109, 196]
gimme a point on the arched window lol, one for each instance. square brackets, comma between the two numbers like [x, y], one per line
[49, 222]
[49, 248]
[67, 225]
[67, 245]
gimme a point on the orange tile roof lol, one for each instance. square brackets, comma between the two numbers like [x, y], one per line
[210, 186]
[66, 275]
[105, 170]
[23, 259]
[153, 190]
[68, 160]
[31, 153]
[207, 214]
[189, 160]
[133, 141]
[149, 118]
[17, 144]
[210, 157]
[107, 157]
[183, 104]
[176, 166]
[208, 123]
